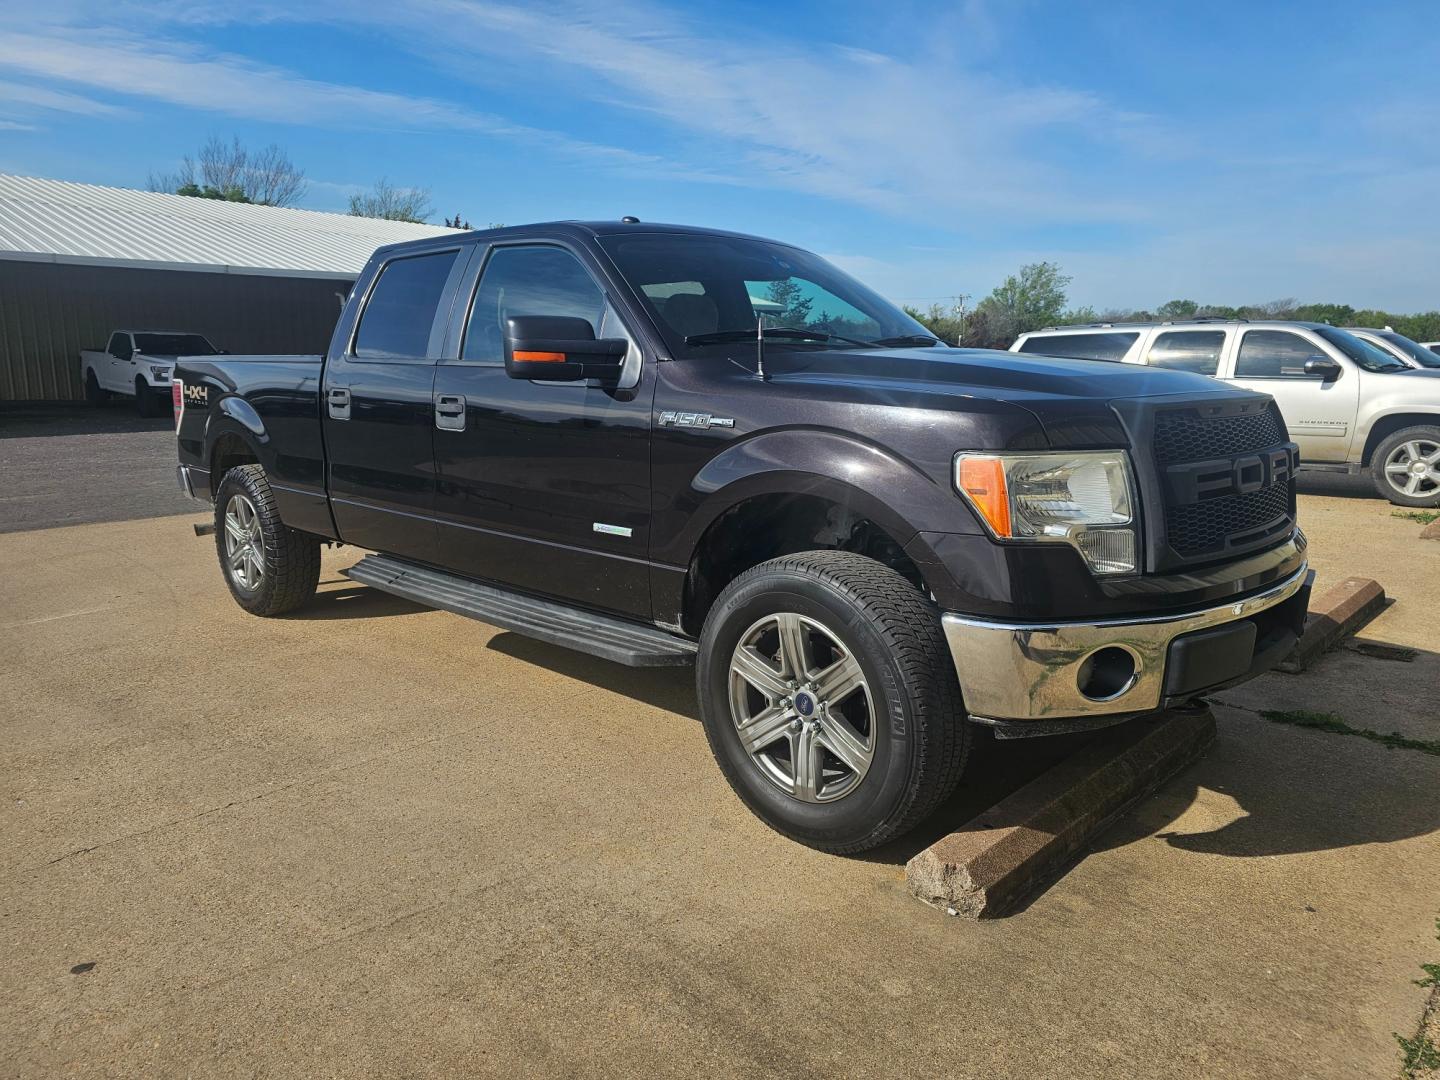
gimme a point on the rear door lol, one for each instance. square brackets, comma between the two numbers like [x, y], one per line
[376, 406]
[544, 486]
[1319, 414]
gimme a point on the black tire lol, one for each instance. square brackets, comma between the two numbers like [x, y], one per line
[1427, 486]
[918, 728]
[93, 394]
[290, 559]
[147, 402]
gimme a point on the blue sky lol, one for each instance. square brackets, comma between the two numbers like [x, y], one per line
[1225, 152]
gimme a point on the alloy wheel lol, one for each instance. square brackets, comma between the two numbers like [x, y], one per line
[244, 543]
[802, 708]
[1413, 467]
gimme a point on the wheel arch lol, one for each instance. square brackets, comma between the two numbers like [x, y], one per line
[1382, 427]
[802, 491]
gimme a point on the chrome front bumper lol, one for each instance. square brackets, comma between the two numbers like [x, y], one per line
[1033, 671]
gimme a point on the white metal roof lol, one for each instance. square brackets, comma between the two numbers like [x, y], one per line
[59, 221]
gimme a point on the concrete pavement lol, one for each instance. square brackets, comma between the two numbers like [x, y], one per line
[371, 839]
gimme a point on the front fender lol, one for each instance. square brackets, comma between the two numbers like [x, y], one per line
[870, 480]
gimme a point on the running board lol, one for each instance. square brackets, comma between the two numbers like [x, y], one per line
[560, 624]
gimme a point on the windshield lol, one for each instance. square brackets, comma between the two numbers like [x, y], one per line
[1370, 357]
[174, 345]
[1413, 349]
[700, 286]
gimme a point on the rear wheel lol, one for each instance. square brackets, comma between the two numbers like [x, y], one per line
[830, 699]
[93, 394]
[270, 567]
[1406, 467]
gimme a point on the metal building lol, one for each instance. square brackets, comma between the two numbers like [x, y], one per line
[78, 260]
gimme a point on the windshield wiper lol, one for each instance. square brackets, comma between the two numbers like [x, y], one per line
[923, 340]
[786, 333]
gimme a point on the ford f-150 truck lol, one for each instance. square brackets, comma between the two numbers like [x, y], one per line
[667, 445]
[138, 362]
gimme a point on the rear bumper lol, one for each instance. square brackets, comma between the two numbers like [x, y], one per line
[1115, 668]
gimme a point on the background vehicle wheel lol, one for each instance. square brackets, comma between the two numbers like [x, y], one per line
[147, 402]
[93, 394]
[270, 567]
[1406, 467]
[830, 699]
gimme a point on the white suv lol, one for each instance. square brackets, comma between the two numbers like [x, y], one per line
[1349, 404]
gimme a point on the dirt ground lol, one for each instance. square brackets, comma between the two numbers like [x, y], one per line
[373, 839]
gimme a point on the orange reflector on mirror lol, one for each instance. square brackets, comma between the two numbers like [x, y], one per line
[540, 357]
[983, 480]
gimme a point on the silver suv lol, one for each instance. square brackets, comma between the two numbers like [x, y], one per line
[1349, 404]
[1411, 352]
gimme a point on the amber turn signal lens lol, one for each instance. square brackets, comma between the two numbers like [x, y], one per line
[983, 480]
[540, 357]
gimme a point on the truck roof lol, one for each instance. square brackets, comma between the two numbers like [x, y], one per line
[572, 229]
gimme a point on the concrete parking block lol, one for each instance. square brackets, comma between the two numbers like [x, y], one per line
[1002, 855]
[1338, 613]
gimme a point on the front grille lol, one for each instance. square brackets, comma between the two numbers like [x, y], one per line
[1218, 509]
[1231, 520]
[1185, 435]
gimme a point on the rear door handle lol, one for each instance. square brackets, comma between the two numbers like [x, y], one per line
[450, 412]
[339, 403]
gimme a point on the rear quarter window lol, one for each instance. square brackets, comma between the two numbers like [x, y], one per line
[1112, 345]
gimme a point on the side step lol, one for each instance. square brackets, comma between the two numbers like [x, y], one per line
[559, 624]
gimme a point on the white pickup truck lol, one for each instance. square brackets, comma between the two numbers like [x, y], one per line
[139, 363]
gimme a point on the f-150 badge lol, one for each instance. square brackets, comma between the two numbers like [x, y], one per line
[694, 419]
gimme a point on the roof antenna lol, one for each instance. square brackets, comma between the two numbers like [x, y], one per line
[760, 347]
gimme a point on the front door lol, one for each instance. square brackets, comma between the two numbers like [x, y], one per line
[376, 408]
[543, 486]
[119, 373]
[1319, 414]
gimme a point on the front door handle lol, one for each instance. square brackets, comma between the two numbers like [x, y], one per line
[450, 412]
[339, 402]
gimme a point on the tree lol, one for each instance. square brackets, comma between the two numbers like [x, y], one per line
[231, 172]
[1026, 301]
[945, 321]
[794, 307]
[456, 224]
[1177, 309]
[393, 203]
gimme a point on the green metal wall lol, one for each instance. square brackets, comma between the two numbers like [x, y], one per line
[50, 311]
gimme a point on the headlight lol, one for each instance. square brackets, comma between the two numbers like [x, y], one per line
[159, 372]
[1084, 499]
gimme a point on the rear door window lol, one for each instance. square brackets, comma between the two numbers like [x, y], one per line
[1110, 345]
[399, 317]
[120, 346]
[1275, 354]
[1187, 350]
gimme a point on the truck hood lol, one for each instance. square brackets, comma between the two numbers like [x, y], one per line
[1069, 398]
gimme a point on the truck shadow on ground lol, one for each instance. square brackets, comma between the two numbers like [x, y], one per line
[339, 598]
[1332, 791]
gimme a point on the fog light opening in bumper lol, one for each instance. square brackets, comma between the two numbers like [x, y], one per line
[1107, 673]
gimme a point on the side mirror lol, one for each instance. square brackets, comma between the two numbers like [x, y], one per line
[557, 348]
[1327, 369]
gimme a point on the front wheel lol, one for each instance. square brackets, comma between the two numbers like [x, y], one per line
[147, 401]
[1406, 467]
[830, 699]
[270, 567]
